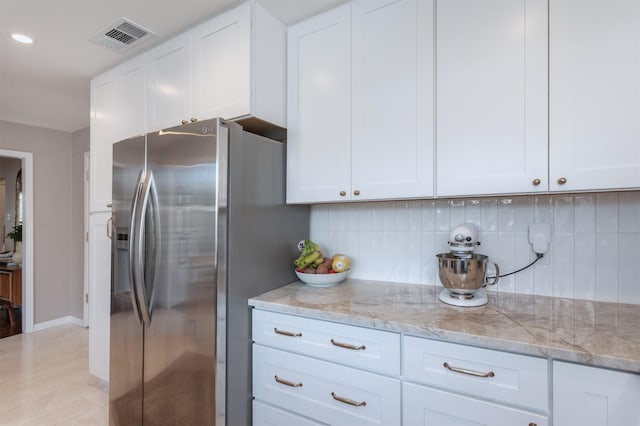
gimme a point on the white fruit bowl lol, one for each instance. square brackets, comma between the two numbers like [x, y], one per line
[322, 280]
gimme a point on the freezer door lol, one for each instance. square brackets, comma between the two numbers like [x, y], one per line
[180, 338]
[125, 372]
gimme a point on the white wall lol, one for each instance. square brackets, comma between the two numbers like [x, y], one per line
[594, 252]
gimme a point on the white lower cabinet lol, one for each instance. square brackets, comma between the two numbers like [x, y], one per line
[423, 406]
[324, 391]
[267, 415]
[590, 396]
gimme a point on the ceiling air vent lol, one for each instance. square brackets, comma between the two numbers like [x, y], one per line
[122, 34]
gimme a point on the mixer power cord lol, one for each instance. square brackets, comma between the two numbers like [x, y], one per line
[538, 257]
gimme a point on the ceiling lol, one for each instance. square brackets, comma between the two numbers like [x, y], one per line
[47, 84]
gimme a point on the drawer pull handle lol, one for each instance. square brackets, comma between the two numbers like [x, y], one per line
[348, 401]
[348, 346]
[287, 333]
[469, 372]
[288, 383]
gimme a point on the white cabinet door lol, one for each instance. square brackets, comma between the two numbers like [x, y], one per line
[222, 65]
[589, 396]
[266, 415]
[423, 406]
[491, 96]
[169, 83]
[99, 294]
[594, 90]
[132, 97]
[393, 122]
[319, 108]
[323, 391]
[105, 127]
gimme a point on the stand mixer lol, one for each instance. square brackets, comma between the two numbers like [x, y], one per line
[461, 271]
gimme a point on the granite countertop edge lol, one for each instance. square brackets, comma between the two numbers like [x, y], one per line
[600, 334]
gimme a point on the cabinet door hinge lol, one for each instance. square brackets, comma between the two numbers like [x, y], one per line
[86, 298]
[86, 236]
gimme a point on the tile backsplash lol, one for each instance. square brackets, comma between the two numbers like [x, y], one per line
[594, 252]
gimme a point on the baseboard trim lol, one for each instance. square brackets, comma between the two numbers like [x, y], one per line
[69, 319]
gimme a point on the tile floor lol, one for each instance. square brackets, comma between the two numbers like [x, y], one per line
[44, 380]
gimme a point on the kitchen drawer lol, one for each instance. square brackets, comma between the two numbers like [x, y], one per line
[266, 415]
[516, 379]
[324, 391]
[431, 407]
[359, 347]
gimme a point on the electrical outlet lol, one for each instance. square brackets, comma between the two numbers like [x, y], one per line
[540, 237]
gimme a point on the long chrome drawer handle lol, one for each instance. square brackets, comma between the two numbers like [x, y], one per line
[348, 401]
[287, 333]
[469, 372]
[288, 383]
[348, 346]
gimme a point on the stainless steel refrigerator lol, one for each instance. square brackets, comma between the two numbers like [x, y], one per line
[199, 225]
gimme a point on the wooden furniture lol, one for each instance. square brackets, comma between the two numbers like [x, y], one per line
[11, 289]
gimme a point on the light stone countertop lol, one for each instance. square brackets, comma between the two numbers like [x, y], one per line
[594, 333]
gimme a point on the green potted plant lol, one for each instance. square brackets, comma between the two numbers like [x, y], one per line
[16, 236]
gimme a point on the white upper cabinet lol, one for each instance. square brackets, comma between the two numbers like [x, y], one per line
[360, 117]
[319, 108]
[594, 91]
[393, 125]
[104, 131]
[232, 66]
[132, 97]
[169, 83]
[239, 66]
[491, 96]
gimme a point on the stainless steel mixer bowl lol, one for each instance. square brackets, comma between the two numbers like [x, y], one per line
[463, 274]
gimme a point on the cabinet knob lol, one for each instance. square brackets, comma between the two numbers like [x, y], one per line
[562, 181]
[356, 192]
[536, 182]
[533, 424]
[184, 121]
[343, 193]
[109, 205]
[193, 119]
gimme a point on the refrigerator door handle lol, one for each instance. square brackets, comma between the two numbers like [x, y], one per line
[133, 224]
[145, 272]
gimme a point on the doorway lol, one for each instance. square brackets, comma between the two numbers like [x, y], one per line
[26, 159]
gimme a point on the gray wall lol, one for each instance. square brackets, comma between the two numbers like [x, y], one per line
[57, 266]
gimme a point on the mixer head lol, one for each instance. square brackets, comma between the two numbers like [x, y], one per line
[463, 238]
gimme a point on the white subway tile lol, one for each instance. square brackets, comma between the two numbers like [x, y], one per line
[414, 257]
[506, 214]
[389, 257]
[629, 272]
[584, 264]
[563, 214]
[365, 215]
[428, 263]
[319, 217]
[585, 213]
[630, 211]
[443, 222]
[338, 217]
[543, 280]
[524, 213]
[415, 216]
[428, 216]
[489, 221]
[389, 217]
[402, 216]
[607, 213]
[607, 266]
[506, 260]
[543, 212]
[473, 213]
[563, 280]
[353, 216]
[523, 280]
[456, 213]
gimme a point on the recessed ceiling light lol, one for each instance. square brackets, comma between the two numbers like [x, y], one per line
[20, 38]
